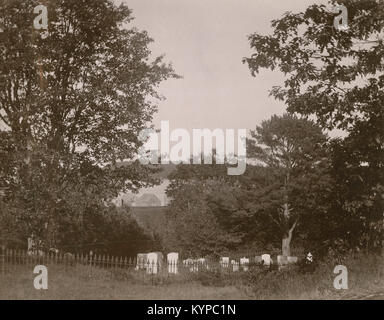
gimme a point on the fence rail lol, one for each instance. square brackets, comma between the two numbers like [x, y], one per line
[22, 257]
[11, 259]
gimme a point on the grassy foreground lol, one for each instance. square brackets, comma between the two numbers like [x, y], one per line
[365, 276]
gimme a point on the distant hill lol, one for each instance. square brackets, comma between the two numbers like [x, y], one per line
[147, 200]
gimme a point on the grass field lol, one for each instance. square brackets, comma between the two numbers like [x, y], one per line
[62, 285]
[365, 275]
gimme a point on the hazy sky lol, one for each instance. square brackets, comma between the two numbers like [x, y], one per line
[206, 40]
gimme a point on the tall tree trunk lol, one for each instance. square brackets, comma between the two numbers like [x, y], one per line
[286, 245]
[287, 237]
[286, 242]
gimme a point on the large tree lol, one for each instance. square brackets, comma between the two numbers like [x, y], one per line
[336, 75]
[294, 152]
[73, 99]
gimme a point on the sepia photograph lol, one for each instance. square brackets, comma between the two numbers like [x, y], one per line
[191, 150]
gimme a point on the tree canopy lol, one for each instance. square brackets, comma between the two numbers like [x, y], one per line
[336, 75]
[73, 99]
[295, 152]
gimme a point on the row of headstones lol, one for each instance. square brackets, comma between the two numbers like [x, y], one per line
[243, 263]
[265, 259]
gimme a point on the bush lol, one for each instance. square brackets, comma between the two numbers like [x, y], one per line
[211, 278]
[365, 274]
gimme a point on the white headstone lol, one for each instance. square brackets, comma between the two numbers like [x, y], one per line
[191, 264]
[244, 262]
[224, 262]
[282, 260]
[152, 262]
[235, 265]
[172, 260]
[266, 258]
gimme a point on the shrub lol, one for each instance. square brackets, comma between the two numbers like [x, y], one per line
[211, 278]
